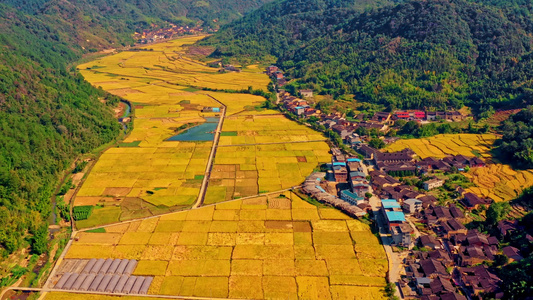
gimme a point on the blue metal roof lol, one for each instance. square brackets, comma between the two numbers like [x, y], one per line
[395, 216]
[299, 107]
[390, 203]
[353, 159]
[351, 195]
[320, 188]
[337, 163]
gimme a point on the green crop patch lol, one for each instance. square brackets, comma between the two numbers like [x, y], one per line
[82, 212]
[228, 133]
[97, 230]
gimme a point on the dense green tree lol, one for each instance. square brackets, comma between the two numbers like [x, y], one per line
[376, 143]
[517, 145]
[415, 54]
[497, 211]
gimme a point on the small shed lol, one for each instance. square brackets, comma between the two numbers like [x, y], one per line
[97, 266]
[87, 283]
[89, 266]
[130, 267]
[96, 282]
[103, 284]
[137, 285]
[62, 281]
[146, 285]
[120, 284]
[129, 284]
[122, 267]
[79, 281]
[112, 283]
[105, 266]
[306, 93]
[114, 266]
[70, 281]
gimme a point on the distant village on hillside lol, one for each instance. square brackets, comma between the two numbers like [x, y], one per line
[442, 259]
[149, 36]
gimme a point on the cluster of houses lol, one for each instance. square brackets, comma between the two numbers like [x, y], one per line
[148, 36]
[448, 260]
[450, 265]
[276, 74]
[421, 115]
[297, 105]
[404, 161]
[454, 254]
[451, 253]
[312, 186]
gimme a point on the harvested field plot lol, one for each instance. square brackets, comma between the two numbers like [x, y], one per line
[248, 170]
[232, 250]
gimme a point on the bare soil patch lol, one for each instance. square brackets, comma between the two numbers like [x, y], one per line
[279, 203]
[117, 191]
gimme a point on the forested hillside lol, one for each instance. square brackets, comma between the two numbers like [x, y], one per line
[48, 113]
[96, 23]
[415, 54]
[47, 116]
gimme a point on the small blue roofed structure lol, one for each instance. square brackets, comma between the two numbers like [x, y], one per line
[353, 159]
[351, 198]
[338, 163]
[320, 189]
[390, 204]
[216, 109]
[395, 216]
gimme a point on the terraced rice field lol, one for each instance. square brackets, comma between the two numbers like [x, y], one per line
[496, 181]
[149, 175]
[276, 247]
[499, 182]
[442, 145]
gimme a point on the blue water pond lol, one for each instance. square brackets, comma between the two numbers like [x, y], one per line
[202, 132]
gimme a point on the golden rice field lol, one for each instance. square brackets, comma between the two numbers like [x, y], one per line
[499, 182]
[275, 247]
[496, 181]
[442, 145]
[261, 153]
[241, 171]
[148, 175]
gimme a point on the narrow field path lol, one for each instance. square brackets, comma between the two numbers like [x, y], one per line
[209, 167]
[45, 290]
[274, 143]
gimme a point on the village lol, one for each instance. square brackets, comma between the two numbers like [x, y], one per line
[425, 235]
[149, 36]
